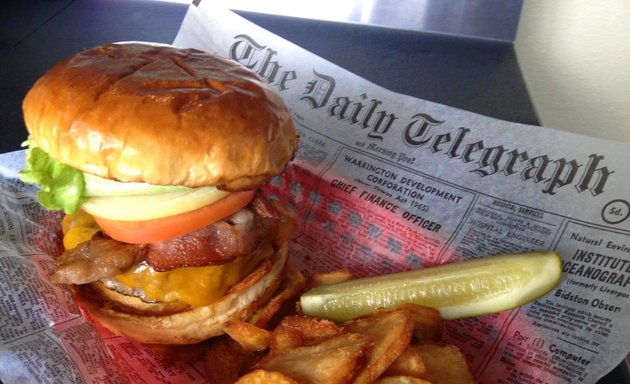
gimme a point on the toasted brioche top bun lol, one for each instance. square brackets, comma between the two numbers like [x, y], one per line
[160, 115]
[183, 325]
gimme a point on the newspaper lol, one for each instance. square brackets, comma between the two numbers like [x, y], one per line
[381, 182]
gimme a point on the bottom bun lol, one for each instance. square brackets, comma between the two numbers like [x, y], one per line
[193, 324]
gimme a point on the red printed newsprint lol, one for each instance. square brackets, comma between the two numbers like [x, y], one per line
[382, 182]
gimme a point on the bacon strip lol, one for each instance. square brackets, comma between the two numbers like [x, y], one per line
[217, 243]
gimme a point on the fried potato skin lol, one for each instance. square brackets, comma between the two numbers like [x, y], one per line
[401, 380]
[391, 333]
[333, 361]
[249, 336]
[260, 376]
[279, 344]
[445, 363]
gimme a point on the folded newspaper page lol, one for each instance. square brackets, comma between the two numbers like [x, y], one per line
[382, 182]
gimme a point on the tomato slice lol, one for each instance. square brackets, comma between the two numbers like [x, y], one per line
[164, 228]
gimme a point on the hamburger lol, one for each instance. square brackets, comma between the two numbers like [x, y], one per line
[157, 156]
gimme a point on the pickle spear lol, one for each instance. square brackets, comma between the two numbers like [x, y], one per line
[463, 289]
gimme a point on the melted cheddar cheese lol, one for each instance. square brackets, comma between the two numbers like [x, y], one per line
[196, 286]
[78, 228]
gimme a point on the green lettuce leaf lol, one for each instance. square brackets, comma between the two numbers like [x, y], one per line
[62, 187]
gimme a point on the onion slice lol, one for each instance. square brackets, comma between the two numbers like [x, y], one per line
[149, 207]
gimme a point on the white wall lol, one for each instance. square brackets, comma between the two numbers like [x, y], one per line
[575, 57]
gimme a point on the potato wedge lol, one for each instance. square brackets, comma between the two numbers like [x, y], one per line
[326, 278]
[400, 380]
[297, 331]
[225, 361]
[249, 336]
[333, 361]
[409, 363]
[284, 339]
[428, 323]
[390, 330]
[291, 286]
[261, 376]
[445, 364]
